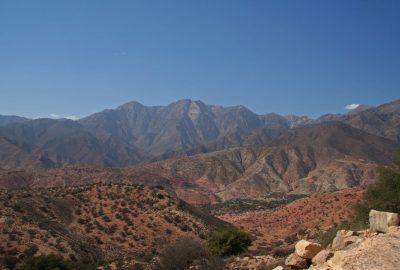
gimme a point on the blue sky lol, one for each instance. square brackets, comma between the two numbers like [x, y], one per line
[303, 57]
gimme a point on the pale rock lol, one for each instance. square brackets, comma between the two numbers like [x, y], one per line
[381, 221]
[344, 238]
[306, 249]
[279, 268]
[322, 257]
[294, 261]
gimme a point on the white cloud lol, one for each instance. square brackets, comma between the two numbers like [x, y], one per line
[352, 106]
[57, 116]
[72, 117]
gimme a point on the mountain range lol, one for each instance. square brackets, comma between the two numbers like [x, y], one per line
[134, 133]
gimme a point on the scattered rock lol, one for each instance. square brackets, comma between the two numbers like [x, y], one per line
[322, 257]
[381, 221]
[296, 262]
[320, 267]
[306, 249]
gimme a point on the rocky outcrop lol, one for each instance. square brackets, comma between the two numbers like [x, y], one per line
[350, 250]
[381, 221]
[380, 252]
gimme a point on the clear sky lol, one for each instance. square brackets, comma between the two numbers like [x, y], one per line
[303, 57]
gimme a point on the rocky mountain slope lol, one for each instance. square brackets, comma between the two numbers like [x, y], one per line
[383, 120]
[318, 158]
[236, 139]
[134, 133]
[89, 224]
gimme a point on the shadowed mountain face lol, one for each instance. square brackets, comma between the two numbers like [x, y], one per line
[10, 119]
[130, 134]
[382, 121]
[180, 125]
[54, 143]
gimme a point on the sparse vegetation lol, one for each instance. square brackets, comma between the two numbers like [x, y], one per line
[236, 206]
[72, 222]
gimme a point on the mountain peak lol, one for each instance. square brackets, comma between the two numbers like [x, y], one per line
[130, 104]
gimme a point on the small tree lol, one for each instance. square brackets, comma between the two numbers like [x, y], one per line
[228, 241]
[181, 254]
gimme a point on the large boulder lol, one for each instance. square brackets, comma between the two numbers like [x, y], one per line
[306, 249]
[296, 262]
[381, 221]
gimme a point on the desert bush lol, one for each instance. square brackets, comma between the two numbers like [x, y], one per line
[184, 253]
[49, 262]
[326, 237]
[9, 261]
[228, 241]
[31, 250]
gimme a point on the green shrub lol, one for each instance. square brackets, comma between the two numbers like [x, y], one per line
[384, 195]
[49, 262]
[228, 241]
